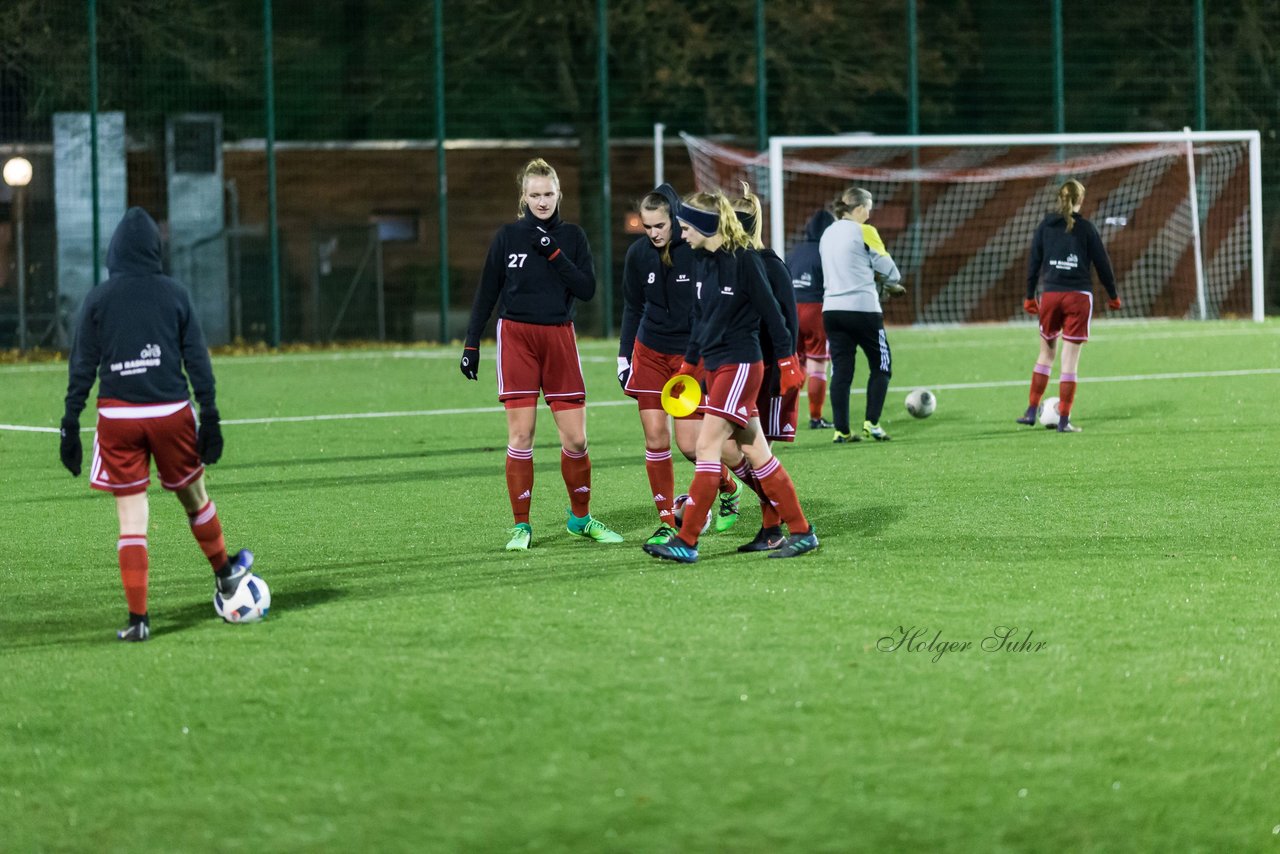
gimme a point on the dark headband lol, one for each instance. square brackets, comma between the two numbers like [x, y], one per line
[706, 223]
[747, 221]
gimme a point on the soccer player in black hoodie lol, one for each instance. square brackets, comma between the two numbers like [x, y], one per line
[1065, 247]
[805, 263]
[733, 297]
[657, 316]
[779, 412]
[537, 267]
[137, 334]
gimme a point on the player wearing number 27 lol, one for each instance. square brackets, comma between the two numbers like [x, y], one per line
[137, 333]
[536, 270]
[1065, 247]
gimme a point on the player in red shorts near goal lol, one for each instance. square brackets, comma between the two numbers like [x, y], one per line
[1065, 248]
[805, 263]
[733, 298]
[536, 269]
[137, 334]
[657, 316]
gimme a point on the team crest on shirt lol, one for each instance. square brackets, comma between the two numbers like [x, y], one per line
[727, 290]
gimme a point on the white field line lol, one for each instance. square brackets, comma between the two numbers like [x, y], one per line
[422, 413]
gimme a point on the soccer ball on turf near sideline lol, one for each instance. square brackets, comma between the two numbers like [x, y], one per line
[677, 508]
[1049, 412]
[250, 602]
[921, 402]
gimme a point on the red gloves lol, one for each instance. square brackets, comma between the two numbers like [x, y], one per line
[1114, 304]
[790, 377]
[1030, 306]
[694, 371]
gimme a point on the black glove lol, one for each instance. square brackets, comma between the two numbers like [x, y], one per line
[71, 451]
[624, 371]
[546, 245]
[470, 364]
[209, 436]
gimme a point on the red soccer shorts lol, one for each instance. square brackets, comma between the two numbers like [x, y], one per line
[732, 391]
[813, 335]
[533, 358]
[1066, 313]
[130, 434]
[650, 371]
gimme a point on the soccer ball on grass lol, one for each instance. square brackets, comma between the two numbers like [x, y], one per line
[677, 507]
[1049, 412]
[921, 402]
[250, 602]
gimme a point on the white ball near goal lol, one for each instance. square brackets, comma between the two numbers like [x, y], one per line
[921, 402]
[1049, 412]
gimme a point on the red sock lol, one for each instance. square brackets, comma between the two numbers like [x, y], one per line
[1066, 394]
[702, 496]
[208, 533]
[727, 483]
[662, 482]
[1039, 382]
[817, 394]
[520, 482]
[576, 470]
[769, 517]
[782, 493]
[131, 551]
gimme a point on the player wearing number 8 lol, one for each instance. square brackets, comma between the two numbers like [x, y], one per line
[536, 269]
[1065, 248]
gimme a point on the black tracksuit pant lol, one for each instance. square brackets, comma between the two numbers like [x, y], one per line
[846, 332]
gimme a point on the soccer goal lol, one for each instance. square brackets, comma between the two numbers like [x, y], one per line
[1180, 213]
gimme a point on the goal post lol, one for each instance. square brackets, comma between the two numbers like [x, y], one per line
[1179, 212]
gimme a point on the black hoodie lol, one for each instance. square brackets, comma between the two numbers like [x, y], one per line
[137, 330]
[533, 289]
[1066, 256]
[657, 301]
[805, 262]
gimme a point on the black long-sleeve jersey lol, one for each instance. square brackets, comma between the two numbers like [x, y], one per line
[1065, 257]
[780, 282]
[137, 331]
[657, 300]
[533, 289]
[733, 300]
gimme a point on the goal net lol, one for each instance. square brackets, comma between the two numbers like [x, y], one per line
[1179, 213]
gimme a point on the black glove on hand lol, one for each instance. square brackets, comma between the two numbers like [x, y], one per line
[71, 451]
[209, 436]
[546, 245]
[470, 364]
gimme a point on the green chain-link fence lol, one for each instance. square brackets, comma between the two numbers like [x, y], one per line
[233, 121]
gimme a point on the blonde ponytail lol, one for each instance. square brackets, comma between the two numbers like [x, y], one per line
[1070, 194]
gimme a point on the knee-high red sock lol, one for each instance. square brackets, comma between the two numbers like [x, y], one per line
[769, 517]
[702, 496]
[1066, 394]
[208, 533]
[1039, 382]
[662, 482]
[520, 482]
[131, 551]
[817, 393]
[782, 492]
[727, 483]
[575, 467]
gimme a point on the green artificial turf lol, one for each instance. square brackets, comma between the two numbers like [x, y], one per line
[418, 688]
